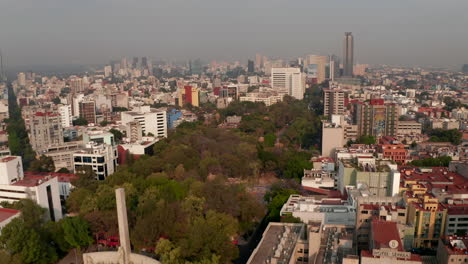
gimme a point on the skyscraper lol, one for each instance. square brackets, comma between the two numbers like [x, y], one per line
[348, 54]
[250, 66]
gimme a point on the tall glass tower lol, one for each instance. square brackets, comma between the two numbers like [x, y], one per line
[348, 54]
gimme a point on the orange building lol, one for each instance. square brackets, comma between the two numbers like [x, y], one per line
[391, 149]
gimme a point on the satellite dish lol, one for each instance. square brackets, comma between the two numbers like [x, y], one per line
[393, 244]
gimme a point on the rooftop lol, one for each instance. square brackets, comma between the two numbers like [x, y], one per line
[383, 232]
[33, 180]
[6, 213]
[456, 245]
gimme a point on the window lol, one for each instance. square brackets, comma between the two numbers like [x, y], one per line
[78, 159]
[87, 159]
[100, 159]
[364, 212]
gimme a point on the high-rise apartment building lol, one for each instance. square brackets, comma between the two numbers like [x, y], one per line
[65, 112]
[376, 118]
[258, 61]
[45, 129]
[289, 81]
[87, 111]
[333, 102]
[188, 95]
[316, 68]
[76, 84]
[332, 138]
[154, 122]
[334, 68]
[348, 54]
[250, 66]
[21, 79]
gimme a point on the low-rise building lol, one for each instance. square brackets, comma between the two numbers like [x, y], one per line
[386, 246]
[328, 211]
[452, 249]
[102, 158]
[42, 189]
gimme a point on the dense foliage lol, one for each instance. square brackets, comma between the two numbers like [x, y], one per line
[440, 135]
[31, 238]
[443, 161]
[18, 140]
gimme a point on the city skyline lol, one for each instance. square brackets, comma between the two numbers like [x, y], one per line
[93, 32]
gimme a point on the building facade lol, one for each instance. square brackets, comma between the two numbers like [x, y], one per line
[45, 129]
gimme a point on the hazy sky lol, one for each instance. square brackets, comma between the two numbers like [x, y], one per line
[423, 32]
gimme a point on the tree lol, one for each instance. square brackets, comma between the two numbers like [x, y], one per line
[56, 100]
[365, 139]
[25, 242]
[80, 122]
[43, 164]
[117, 135]
[76, 232]
[34, 215]
[86, 178]
[63, 170]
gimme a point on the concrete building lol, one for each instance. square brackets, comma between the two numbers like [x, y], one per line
[386, 246]
[390, 148]
[134, 131]
[76, 84]
[288, 81]
[87, 111]
[367, 212]
[303, 244]
[15, 185]
[44, 129]
[65, 112]
[154, 121]
[332, 138]
[268, 98]
[315, 68]
[333, 102]
[453, 249]
[376, 118]
[21, 79]
[457, 219]
[408, 128]
[318, 179]
[328, 211]
[189, 95]
[348, 54]
[102, 158]
[380, 176]
[62, 154]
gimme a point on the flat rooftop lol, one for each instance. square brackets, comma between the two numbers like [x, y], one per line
[278, 241]
[6, 213]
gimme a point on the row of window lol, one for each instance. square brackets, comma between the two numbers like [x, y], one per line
[89, 159]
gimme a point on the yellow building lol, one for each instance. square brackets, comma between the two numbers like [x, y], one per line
[188, 95]
[425, 213]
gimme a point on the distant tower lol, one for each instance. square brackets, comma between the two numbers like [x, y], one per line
[2, 70]
[348, 54]
[250, 66]
[465, 68]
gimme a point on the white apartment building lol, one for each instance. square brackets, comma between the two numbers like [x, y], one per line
[154, 122]
[266, 98]
[65, 112]
[102, 158]
[15, 185]
[289, 81]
